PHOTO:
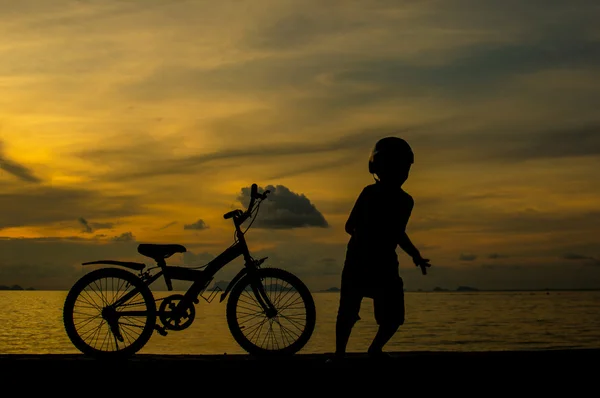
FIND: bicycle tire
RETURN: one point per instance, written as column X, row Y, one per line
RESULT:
column 297, row 292
column 80, row 302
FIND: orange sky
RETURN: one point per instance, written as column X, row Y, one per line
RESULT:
column 122, row 122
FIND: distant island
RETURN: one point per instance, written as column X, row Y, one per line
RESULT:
column 458, row 289
column 331, row 290
column 14, row 287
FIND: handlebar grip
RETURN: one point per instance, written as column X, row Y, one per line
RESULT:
column 253, row 191
column 423, row 270
column 229, row 215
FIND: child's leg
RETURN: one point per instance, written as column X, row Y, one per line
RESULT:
column 389, row 313
column 347, row 316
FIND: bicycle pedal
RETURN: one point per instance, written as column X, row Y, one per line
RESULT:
column 161, row 330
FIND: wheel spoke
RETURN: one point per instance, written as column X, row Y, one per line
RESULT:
column 293, row 322
column 89, row 313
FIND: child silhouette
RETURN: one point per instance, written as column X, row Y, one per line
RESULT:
column 377, row 225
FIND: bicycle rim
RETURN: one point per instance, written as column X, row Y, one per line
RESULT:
column 283, row 334
column 88, row 322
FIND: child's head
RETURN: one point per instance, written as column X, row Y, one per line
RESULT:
column 391, row 160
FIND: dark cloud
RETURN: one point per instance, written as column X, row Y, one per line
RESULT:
column 299, row 29
column 581, row 257
column 198, row 225
column 467, row 257
column 102, row 225
column 45, row 204
column 575, row 256
column 91, row 227
column 285, row 209
column 86, row 226
column 497, row 255
column 523, row 145
column 15, row 169
column 197, row 259
column 500, row 146
column 167, row 225
column 124, row 237
column 354, row 141
column 259, row 74
column 482, row 219
column 474, row 70
column 534, row 221
column 55, row 262
column 127, row 149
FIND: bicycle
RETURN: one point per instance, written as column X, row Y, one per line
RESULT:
column 111, row 312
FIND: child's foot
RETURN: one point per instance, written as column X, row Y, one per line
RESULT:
column 335, row 358
column 379, row 355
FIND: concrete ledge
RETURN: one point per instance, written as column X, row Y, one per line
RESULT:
column 565, row 360
column 481, row 374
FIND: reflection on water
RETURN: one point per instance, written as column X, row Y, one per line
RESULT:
column 32, row 323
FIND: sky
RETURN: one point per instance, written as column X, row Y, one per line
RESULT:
column 126, row 122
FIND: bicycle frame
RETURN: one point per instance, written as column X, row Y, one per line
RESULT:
column 201, row 278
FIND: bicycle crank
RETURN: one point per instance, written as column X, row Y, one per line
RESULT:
column 176, row 312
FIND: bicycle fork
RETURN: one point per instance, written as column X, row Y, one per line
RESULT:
column 263, row 299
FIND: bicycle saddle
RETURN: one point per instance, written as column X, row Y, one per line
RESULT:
column 159, row 251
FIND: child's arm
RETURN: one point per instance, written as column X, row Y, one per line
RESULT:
column 409, row 248
column 406, row 244
column 354, row 214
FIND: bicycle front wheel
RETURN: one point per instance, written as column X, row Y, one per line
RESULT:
column 284, row 332
column 100, row 323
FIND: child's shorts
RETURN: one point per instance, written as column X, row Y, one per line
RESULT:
column 387, row 295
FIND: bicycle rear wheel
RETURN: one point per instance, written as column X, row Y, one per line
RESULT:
column 283, row 333
column 99, row 328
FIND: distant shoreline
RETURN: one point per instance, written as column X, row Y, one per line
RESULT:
column 480, row 290
column 15, row 288
column 336, row 290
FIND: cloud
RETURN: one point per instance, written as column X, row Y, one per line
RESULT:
column 497, row 255
column 297, row 30
column 198, row 225
column 485, row 219
column 473, row 71
column 91, row 227
column 285, row 209
column 579, row 257
column 124, row 237
column 196, row 259
column 467, row 257
column 86, row 227
column 40, row 205
column 55, row 262
column 167, row 225
column 15, row 169
column 564, row 142
column 352, row 141
column 102, row 225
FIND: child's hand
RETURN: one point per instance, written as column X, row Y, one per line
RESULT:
column 423, row 263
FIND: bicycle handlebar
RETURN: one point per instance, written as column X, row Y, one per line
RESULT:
column 243, row 215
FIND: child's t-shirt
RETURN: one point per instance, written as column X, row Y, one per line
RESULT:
column 380, row 214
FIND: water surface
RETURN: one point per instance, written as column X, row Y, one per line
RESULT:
column 440, row 321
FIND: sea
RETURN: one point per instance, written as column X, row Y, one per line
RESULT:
column 31, row 323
